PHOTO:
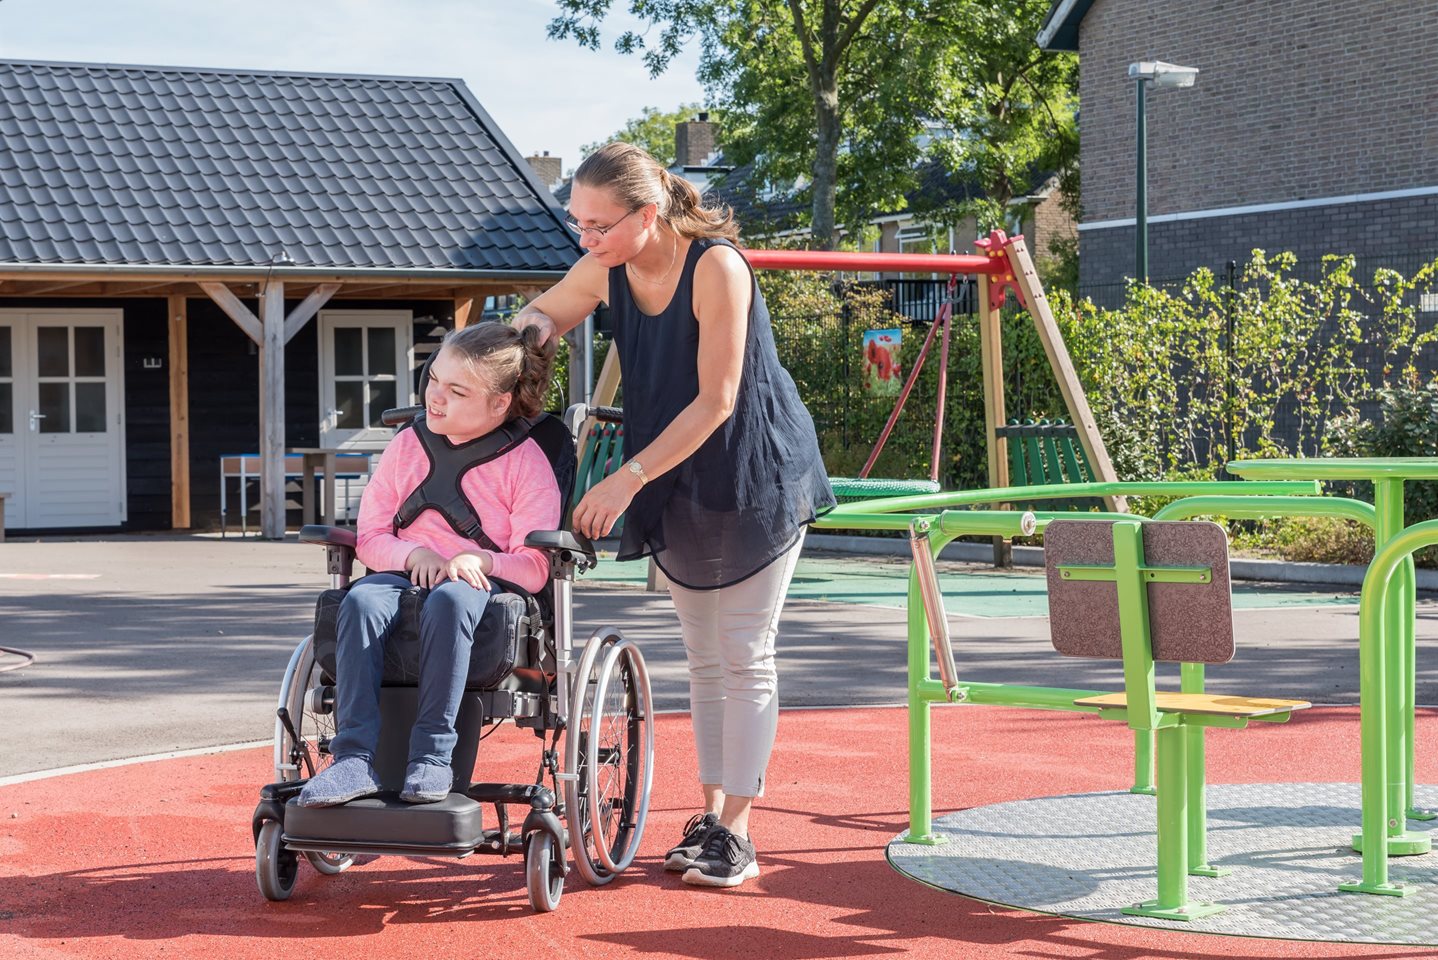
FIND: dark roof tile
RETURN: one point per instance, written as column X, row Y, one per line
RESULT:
column 107, row 164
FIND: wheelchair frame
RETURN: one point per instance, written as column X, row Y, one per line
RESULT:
column 605, row 690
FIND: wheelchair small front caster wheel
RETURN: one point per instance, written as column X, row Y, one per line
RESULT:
column 543, row 874
column 329, row 863
column 275, row 867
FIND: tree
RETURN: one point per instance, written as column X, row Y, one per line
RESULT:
column 1012, row 108
column 653, row 130
column 801, row 82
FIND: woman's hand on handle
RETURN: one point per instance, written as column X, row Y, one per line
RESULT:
column 601, row 507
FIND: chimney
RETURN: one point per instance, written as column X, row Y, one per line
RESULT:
column 548, row 169
column 693, row 141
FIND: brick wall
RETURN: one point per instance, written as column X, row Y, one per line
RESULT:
column 1398, row 233
column 1295, row 99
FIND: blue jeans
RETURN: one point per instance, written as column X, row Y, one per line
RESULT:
column 367, row 617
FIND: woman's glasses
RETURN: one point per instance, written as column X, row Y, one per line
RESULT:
column 574, row 225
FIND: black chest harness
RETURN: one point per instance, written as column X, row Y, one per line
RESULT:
column 440, row 490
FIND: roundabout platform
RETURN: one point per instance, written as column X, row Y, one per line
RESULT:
column 1089, row 855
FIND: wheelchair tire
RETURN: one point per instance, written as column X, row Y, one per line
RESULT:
column 329, row 864
column 275, row 867
column 315, row 725
column 611, row 749
column 543, row 875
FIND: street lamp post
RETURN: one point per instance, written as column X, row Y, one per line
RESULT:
column 1162, row 75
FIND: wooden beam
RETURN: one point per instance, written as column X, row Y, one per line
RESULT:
column 234, row 309
column 179, row 414
column 42, row 288
column 991, row 353
column 272, row 412
column 1027, row 280
column 308, row 307
column 464, row 303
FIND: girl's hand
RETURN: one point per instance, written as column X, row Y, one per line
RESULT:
column 534, row 318
column 426, row 568
column 471, row 568
column 606, row 500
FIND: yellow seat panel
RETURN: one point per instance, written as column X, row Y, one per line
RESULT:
column 1209, row 704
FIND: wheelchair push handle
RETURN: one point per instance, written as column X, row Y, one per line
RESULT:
column 399, row 416
column 607, row 414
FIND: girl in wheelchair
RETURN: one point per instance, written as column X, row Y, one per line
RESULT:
column 483, row 377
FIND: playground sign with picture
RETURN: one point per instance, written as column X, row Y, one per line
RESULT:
column 883, row 375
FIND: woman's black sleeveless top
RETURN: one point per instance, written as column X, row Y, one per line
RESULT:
column 742, row 498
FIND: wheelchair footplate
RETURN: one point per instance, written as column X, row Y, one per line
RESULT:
column 385, row 824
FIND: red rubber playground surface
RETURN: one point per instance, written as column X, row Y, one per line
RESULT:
column 155, row 859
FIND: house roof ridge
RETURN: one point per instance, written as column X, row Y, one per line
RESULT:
column 227, row 71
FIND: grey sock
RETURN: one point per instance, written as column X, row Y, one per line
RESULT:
column 426, row 783
column 348, row 778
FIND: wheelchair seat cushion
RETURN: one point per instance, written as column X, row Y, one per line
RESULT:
column 508, row 636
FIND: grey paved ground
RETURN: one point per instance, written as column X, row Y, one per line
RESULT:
column 169, row 644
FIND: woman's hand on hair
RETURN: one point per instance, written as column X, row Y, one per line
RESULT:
column 471, row 568
column 426, row 568
column 602, row 505
column 535, row 318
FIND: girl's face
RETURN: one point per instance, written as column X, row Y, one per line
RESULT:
column 625, row 229
column 457, row 404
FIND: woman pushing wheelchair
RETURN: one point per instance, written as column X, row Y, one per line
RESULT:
column 724, row 470
column 452, row 536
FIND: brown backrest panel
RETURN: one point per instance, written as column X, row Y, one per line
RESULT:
column 1188, row 622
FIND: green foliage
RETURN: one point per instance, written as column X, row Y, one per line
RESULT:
column 653, row 130
column 832, row 96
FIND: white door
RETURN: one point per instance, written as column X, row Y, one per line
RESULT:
column 366, row 364
column 62, row 430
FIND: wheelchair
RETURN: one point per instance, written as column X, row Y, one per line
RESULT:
column 593, row 715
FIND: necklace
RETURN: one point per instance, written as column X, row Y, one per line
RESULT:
column 673, row 255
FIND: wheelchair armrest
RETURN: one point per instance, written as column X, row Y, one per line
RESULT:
column 561, row 540
column 329, row 536
column 339, row 550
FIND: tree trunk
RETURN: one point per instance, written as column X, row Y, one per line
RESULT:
column 826, row 162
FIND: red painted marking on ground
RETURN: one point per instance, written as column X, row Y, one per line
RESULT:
column 156, row 859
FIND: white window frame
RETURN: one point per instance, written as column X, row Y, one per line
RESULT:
column 402, row 322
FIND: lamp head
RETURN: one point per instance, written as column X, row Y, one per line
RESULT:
column 1162, row 74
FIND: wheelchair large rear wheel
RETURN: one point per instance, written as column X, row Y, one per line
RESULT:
column 610, row 749
column 309, row 702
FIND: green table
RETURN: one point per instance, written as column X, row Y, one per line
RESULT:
column 1386, row 654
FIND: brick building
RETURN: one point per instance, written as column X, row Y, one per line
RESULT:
column 1310, row 128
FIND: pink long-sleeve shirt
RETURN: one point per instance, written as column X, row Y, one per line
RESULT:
column 514, row 495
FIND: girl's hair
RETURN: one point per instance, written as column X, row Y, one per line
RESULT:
column 507, row 360
column 635, row 179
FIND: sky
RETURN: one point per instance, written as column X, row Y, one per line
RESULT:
column 544, row 94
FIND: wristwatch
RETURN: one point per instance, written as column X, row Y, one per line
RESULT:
column 638, row 471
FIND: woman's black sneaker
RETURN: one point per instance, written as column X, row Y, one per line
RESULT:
column 696, row 831
column 727, row 860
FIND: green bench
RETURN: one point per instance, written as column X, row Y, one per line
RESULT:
column 1047, row 452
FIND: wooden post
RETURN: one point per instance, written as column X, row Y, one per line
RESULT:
column 581, row 358
column 272, row 411
column 991, row 354
column 464, row 302
column 179, row 414
column 1027, row 280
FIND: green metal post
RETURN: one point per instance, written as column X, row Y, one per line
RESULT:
column 1410, row 698
column 1143, row 763
column 1191, row 681
column 921, row 810
column 1173, row 902
column 1377, row 710
column 1395, row 702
